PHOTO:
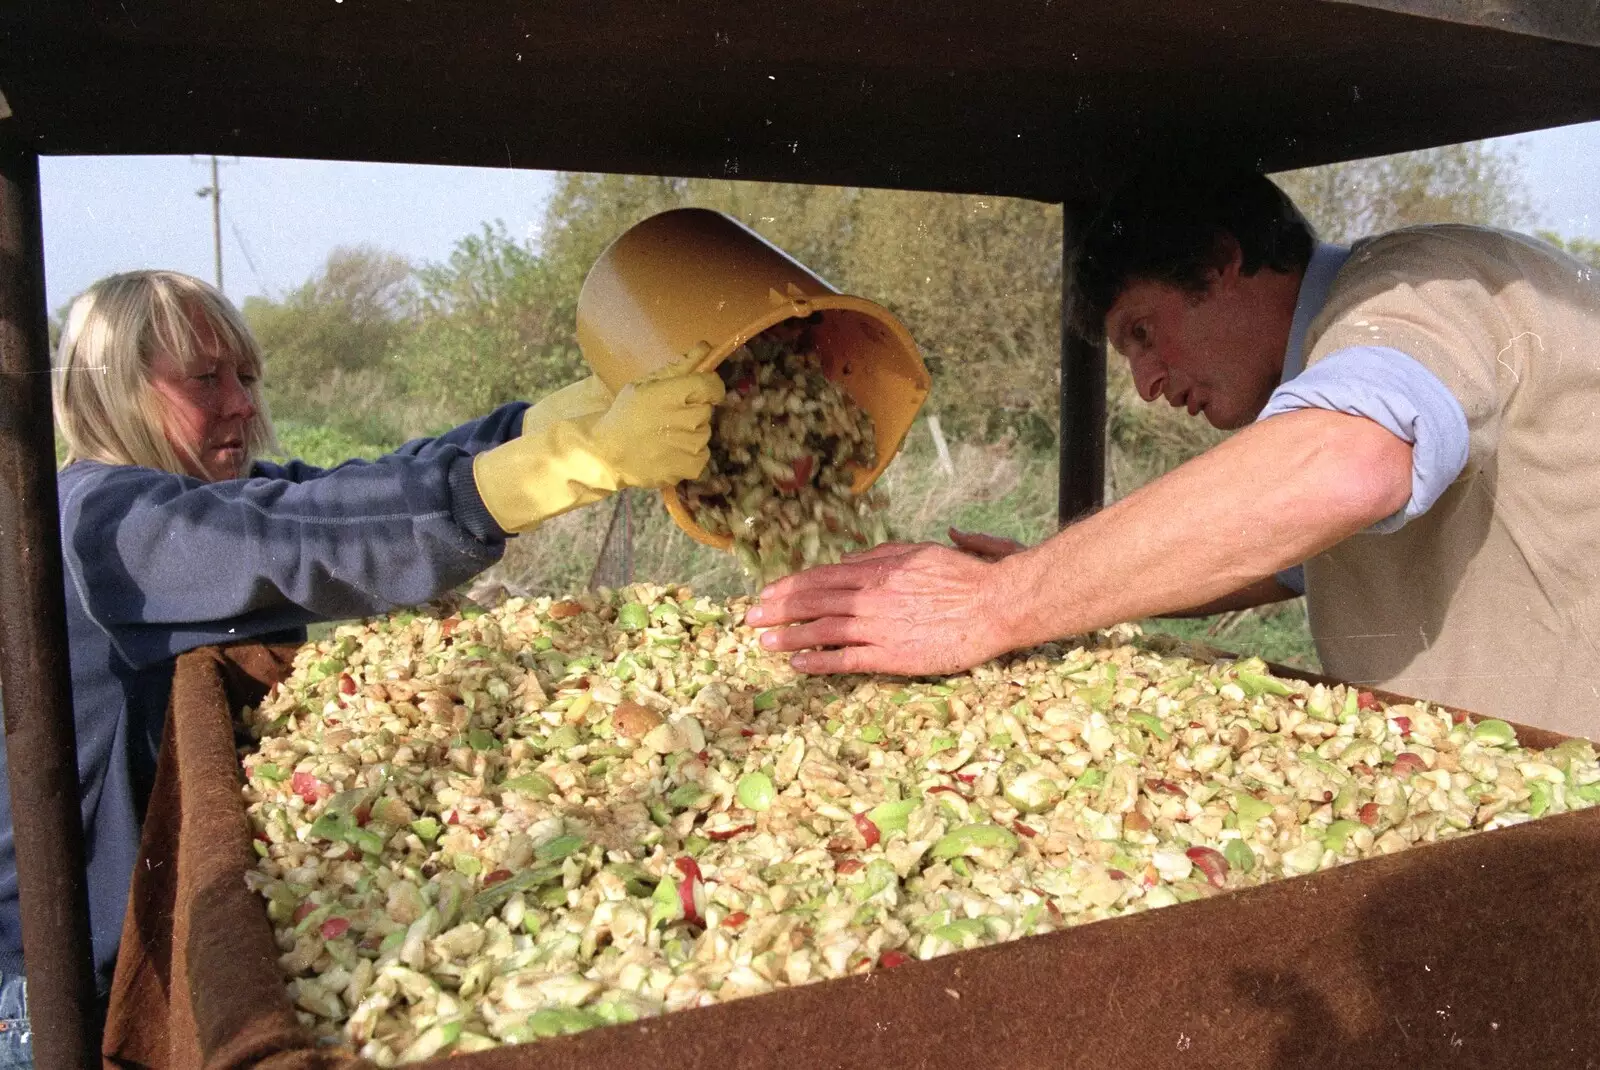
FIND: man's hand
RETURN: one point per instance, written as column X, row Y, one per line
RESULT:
column 914, row 610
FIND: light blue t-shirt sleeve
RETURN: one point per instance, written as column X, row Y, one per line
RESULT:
column 1400, row 395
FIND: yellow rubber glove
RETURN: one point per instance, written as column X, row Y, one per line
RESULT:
column 654, row 434
column 586, row 397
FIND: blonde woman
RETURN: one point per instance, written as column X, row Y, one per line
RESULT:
column 176, row 534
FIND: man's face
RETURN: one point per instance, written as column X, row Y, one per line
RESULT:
column 1217, row 354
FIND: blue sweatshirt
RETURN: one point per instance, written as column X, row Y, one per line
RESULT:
column 158, row 564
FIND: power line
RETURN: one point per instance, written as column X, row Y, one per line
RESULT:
column 244, row 248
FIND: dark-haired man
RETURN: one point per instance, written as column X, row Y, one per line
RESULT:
column 1420, row 427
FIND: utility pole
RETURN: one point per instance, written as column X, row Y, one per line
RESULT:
column 214, row 191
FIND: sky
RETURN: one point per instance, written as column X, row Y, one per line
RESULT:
column 281, row 218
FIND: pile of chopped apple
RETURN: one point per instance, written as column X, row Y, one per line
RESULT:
column 479, row 828
column 786, row 445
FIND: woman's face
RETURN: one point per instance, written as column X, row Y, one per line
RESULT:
column 207, row 411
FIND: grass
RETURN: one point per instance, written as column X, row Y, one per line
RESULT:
column 325, row 446
column 1278, row 633
column 352, row 414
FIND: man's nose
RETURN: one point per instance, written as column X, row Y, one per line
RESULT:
column 1148, row 377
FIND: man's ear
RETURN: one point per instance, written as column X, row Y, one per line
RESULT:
column 1227, row 261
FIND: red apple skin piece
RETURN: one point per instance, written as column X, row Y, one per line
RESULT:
column 334, row 928
column 736, row 919
column 1404, row 724
column 891, row 959
column 686, row 899
column 1210, row 862
column 802, row 475
column 347, row 684
column 1370, row 814
column 848, row 866
column 1407, row 764
column 868, row 830
column 309, row 788
column 687, row 888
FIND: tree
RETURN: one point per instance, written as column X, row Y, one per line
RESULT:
column 1585, row 249
column 494, row 323
column 977, row 281
column 1474, row 182
column 347, row 319
column 811, row 223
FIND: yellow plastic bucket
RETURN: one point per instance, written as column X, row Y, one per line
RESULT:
column 695, row 283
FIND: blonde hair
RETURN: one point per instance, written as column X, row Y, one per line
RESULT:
column 105, row 407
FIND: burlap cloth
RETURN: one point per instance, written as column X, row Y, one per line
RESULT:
column 1480, row 953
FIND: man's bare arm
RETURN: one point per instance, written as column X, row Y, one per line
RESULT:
column 1272, row 496
column 1262, row 592
column 1276, row 494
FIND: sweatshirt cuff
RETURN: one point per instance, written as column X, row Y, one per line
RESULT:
column 1294, row 578
column 466, row 504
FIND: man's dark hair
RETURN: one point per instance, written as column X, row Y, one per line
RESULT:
column 1165, row 225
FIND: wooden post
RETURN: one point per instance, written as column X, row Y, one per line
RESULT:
column 41, row 751
column 940, row 446
column 1083, row 397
